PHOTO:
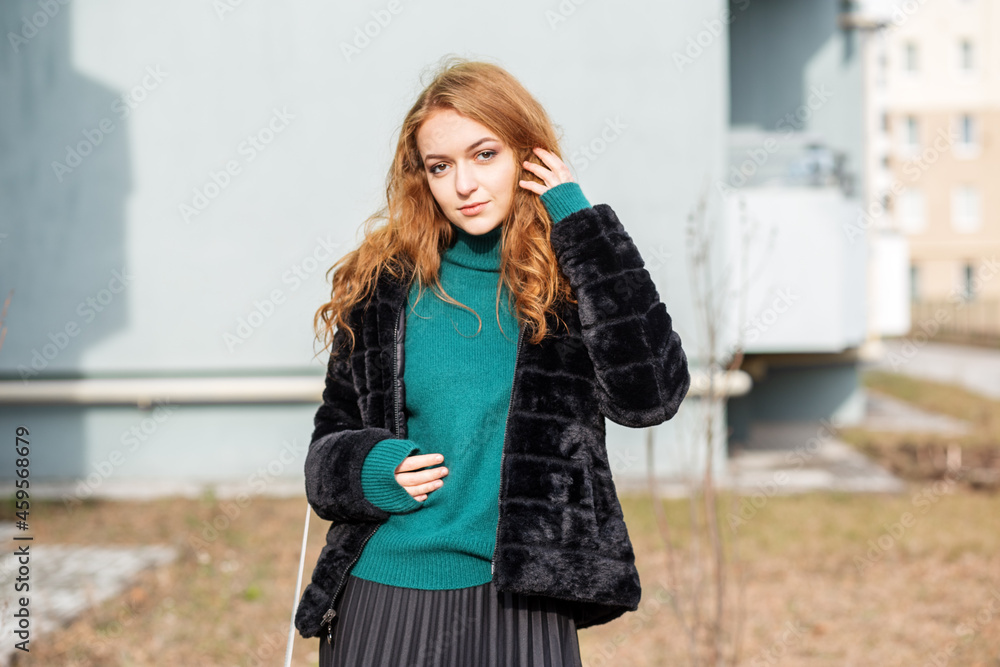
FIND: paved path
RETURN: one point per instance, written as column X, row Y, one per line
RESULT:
column 65, row 580
column 886, row 413
column 975, row 368
column 789, row 457
column 795, row 457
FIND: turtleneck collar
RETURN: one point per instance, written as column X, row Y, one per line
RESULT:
column 474, row 251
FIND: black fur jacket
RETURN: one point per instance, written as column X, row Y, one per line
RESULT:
column 561, row 531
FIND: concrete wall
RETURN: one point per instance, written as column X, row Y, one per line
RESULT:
column 120, row 224
column 804, row 296
column 796, row 80
column 793, row 68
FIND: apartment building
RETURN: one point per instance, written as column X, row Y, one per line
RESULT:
column 938, row 72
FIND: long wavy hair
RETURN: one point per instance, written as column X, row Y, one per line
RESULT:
column 416, row 230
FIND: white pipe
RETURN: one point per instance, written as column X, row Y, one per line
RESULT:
column 729, row 383
column 145, row 392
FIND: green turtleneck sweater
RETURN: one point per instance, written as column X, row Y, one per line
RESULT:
column 458, row 385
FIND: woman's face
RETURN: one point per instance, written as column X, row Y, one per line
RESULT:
column 471, row 173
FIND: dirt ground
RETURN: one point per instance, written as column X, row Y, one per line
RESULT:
column 830, row 580
column 827, row 578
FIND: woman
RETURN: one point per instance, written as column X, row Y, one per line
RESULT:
column 460, row 457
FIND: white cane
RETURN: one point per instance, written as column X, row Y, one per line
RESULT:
column 298, row 584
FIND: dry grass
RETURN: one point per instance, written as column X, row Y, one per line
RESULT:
column 832, row 579
column 808, row 562
column 799, row 552
column 922, row 456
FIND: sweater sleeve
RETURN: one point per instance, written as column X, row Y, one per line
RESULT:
column 378, row 481
column 564, row 200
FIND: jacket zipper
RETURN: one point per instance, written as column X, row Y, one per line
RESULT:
column 503, row 449
column 331, row 613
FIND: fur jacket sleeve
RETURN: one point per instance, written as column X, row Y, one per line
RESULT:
column 640, row 367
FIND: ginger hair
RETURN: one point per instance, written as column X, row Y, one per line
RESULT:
column 415, row 230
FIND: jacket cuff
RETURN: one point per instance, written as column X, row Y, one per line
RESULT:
column 333, row 475
column 564, row 200
column 378, row 481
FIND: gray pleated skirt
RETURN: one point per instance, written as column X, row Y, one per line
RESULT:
column 478, row 626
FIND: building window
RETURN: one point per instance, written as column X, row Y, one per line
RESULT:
column 911, row 211
column 911, row 135
column 965, row 211
column 966, row 55
column 968, row 282
column 967, row 129
column 967, row 146
column 914, row 282
column 911, row 62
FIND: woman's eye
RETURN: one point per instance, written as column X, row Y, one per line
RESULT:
column 489, row 155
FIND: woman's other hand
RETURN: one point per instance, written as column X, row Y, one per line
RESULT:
column 420, row 483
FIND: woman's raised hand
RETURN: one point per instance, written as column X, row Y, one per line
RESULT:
column 556, row 174
column 420, row 483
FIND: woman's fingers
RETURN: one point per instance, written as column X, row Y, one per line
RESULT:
column 425, row 479
column 421, row 476
column 420, row 491
column 537, row 188
column 547, row 177
column 418, row 462
column 538, row 170
column 561, row 173
column 424, row 489
column 556, row 174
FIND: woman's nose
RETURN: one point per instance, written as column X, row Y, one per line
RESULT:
column 465, row 182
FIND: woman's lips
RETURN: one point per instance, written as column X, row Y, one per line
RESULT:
column 474, row 209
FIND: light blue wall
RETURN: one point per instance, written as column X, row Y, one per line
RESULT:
column 785, row 53
column 105, row 445
column 207, row 82
column 794, row 70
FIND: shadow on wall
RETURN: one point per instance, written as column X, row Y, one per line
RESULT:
column 752, row 50
column 790, row 401
column 64, row 179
